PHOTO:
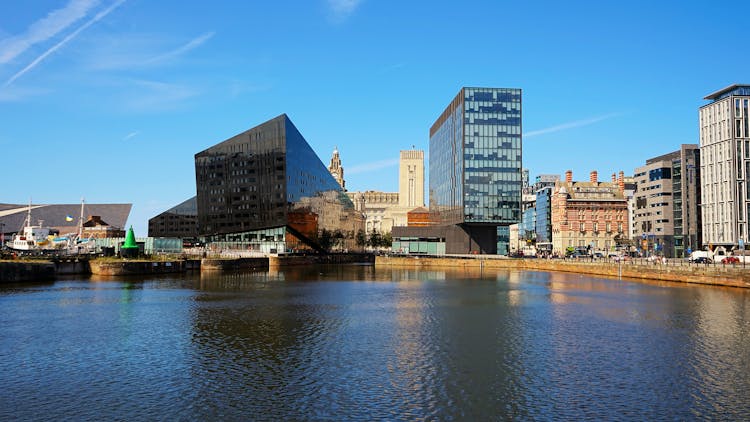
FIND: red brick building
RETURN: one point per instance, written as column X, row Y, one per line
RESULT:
column 418, row 217
column 591, row 215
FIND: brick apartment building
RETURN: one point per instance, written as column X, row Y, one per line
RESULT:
column 591, row 215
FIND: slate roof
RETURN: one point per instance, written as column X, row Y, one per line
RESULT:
column 53, row 215
column 590, row 191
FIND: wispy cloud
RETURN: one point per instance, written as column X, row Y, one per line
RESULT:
column 64, row 41
column 195, row 42
column 375, row 165
column 392, row 67
column 14, row 94
column 342, row 9
column 45, row 28
column 139, row 51
column 131, row 135
column 570, row 125
column 157, row 96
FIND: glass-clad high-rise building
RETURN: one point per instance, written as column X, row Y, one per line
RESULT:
column 475, row 162
column 544, row 219
column 267, row 187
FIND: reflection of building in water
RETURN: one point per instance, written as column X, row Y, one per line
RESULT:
column 267, row 188
column 233, row 280
column 720, row 329
column 385, row 210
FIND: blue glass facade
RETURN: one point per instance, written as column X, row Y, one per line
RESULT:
column 475, row 159
column 528, row 224
column 544, row 215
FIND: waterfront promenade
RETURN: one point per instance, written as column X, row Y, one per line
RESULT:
column 674, row 270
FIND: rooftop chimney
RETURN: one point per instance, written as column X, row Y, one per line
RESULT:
column 621, row 181
column 614, row 178
column 569, row 176
column 593, row 177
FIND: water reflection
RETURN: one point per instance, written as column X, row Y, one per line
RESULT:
column 355, row 342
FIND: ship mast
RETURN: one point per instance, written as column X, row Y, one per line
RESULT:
column 80, row 221
column 27, row 223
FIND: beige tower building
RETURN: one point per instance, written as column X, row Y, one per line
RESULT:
column 384, row 210
column 336, row 169
column 411, row 179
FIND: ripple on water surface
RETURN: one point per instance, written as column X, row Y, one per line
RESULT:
column 356, row 343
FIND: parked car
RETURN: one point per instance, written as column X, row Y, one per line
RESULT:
column 598, row 255
column 702, row 260
column 730, row 260
column 699, row 254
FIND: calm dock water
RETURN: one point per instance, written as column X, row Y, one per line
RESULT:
column 351, row 342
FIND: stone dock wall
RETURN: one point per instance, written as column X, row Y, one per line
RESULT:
column 293, row 260
column 21, row 271
column 30, row 271
column 233, row 264
column 734, row 276
column 118, row 268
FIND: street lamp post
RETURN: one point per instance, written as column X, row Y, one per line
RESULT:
column 742, row 248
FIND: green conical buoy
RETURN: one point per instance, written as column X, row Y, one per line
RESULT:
column 129, row 248
column 130, row 240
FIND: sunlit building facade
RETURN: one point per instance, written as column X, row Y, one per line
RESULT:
column 666, row 218
column 724, row 125
column 588, row 216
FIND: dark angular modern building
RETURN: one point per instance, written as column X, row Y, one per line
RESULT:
column 266, row 187
column 179, row 221
column 475, row 169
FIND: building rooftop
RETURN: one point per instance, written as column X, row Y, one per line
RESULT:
column 736, row 89
column 590, row 191
column 61, row 216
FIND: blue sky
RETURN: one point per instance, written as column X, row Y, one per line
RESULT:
column 110, row 99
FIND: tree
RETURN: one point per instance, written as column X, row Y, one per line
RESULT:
column 387, row 240
column 375, row 239
column 338, row 238
column 361, row 238
column 325, row 239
